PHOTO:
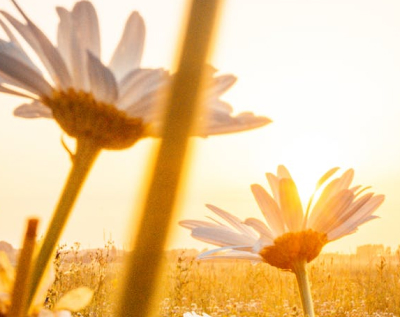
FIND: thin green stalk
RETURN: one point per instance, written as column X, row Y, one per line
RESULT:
column 143, row 265
column 300, row 271
column 20, row 292
column 86, row 154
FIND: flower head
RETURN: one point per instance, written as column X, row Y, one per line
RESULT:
column 289, row 235
column 114, row 105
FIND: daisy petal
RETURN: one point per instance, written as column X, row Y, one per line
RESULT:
column 15, row 52
column 367, row 209
column 323, row 198
column 350, row 211
column 137, row 85
column 326, row 176
column 220, row 85
column 232, row 220
column 220, row 223
column 363, row 215
column 348, row 229
column 283, row 172
column 221, row 107
column 217, row 124
column 150, row 109
column 64, row 36
column 262, row 243
column 10, row 35
column 83, row 36
column 191, row 224
column 222, row 237
column 337, row 185
column 357, row 193
column 86, row 26
column 332, row 211
column 270, row 209
column 102, row 81
column 26, row 77
column 47, row 52
column 234, row 256
column 365, row 220
column 331, row 190
column 229, row 253
column 346, row 179
column 355, row 188
column 273, row 182
column 128, row 54
column 21, row 52
column 260, row 227
column 13, row 92
column 25, row 32
column 33, row 110
column 290, row 204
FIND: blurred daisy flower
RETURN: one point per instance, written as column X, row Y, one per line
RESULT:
column 72, row 301
column 113, row 105
column 289, row 235
column 289, row 238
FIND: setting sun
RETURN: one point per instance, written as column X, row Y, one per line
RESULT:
column 309, row 156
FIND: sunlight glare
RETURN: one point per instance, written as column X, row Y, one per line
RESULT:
column 308, row 157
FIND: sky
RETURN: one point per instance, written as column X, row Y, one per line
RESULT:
column 326, row 72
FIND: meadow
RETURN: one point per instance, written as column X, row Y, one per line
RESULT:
column 342, row 285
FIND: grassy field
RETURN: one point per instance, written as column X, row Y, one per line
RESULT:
column 342, row 285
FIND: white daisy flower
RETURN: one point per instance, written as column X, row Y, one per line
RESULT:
column 114, row 104
column 288, row 235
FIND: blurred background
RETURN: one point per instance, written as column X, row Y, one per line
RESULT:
column 326, row 72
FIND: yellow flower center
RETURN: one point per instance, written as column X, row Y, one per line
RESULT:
column 80, row 115
column 292, row 247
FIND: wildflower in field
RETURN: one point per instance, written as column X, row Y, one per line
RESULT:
column 113, row 105
column 72, row 301
column 289, row 235
column 289, row 238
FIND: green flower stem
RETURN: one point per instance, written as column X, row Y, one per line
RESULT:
column 143, row 264
column 86, row 153
column 300, row 271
